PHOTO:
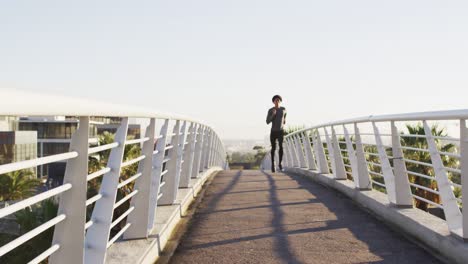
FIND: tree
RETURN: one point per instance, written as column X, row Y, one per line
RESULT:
column 18, row 185
column 28, row 219
column 260, row 155
column 240, row 157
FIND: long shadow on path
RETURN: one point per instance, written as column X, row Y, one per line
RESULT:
column 290, row 220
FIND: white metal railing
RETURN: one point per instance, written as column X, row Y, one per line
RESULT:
column 192, row 148
column 383, row 160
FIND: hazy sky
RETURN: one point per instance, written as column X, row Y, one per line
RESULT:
column 221, row 61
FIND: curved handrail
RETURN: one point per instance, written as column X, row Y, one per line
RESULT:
column 22, row 103
column 431, row 115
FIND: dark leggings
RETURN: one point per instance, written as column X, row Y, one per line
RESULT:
column 276, row 135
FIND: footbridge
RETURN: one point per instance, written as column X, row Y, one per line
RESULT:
column 375, row 189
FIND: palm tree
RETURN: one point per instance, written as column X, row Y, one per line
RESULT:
column 18, row 185
column 424, row 156
column 27, row 220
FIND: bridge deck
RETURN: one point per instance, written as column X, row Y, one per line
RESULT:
column 257, row 217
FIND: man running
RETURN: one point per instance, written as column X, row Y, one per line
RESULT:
column 277, row 116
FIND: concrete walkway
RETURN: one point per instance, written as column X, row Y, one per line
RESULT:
column 259, row 217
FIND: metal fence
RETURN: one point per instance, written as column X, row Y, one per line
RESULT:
column 169, row 158
column 415, row 159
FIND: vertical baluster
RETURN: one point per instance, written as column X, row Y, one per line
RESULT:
column 189, row 155
column 331, row 155
column 158, row 158
column 294, row 152
column 69, row 234
column 169, row 191
column 220, row 153
column 139, row 219
column 208, row 150
column 464, row 173
column 286, row 158
column 320, row 153
column 308, row 150
column 363, row 182
column 180, row 153
column 387, row 170
column 403, row 196
column 291, row 160
column 452, row 212
column 198, row 152
column 340, row 173
column 97, row 237
column 300, row 151
column 216, row 152
column 206, row 138
column 351, row 156
column 212, row 150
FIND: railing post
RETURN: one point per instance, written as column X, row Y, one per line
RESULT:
column 198, row 152
column 293, row 145
column 351, row 156
column 189, row 155
column 452, row 212
column 169, row 191
column 209, row 150
column 320, row 153
column 158, row 158
column 464, row 173
column 300, row 152
column 389, row 177
column 289, row 152
column 286, row 158
column 331, row 155
column 340, row 173
column 220, row 152
column 403, row 196
column 206, row 138
column 212, row 150
column 205, row 152
column 363, row 182
column 335, row 156
column 180, row 152
column 308, row 151
column 139, row 219
column 97, row 236
column 70, row 234
column 216, row 152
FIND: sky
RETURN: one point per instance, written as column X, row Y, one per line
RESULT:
column 222, row 61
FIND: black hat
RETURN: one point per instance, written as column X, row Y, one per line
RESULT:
column 277, row 97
